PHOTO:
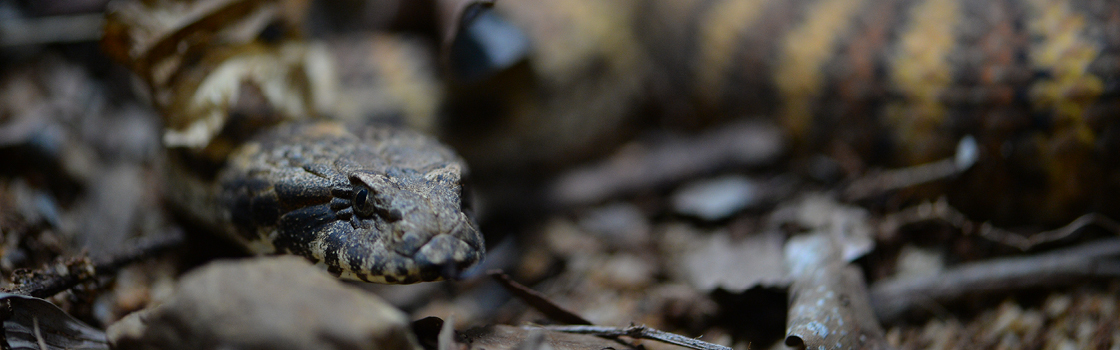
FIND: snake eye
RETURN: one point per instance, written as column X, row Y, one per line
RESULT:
column 365, row 205
column 363, row 202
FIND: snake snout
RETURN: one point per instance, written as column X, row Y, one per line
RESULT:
column 416, row 256
column 446, row 257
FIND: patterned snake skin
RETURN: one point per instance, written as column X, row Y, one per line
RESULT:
column 377, row 204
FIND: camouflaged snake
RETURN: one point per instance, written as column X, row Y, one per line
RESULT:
column 372, row 203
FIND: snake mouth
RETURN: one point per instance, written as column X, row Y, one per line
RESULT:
column 447, row 255
column 419, row 245
column 370, row 253
column 443, row 257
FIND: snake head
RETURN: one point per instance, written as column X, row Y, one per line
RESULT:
column 418, row 215
column 379, row 205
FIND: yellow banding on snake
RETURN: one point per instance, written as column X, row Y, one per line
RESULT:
column 725, row 23
column 799, row 75
column 922, row 72
column 1064, row 52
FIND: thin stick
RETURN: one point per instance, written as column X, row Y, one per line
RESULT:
column 54, row 283
column 666, row 162
column 942, row 211
column 894, row 298
column 538, row 301
column 639, row 332
column 896, row 179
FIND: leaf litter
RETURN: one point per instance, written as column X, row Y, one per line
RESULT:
column 640, row 240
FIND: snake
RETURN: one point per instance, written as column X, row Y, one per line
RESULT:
column 256, row 155
column 881, row 82
column 373, row 203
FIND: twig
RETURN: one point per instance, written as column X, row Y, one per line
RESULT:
column 993, row 233
column 53, row 283
column 638, row 332
column 829, row 305
column 538, row 301
column 942, row 211
column 579, row 325
column 895, row 179
column 142, row 250
column 895, row 298
column 659, row 164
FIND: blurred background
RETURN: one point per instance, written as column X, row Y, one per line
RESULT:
column 638, row 161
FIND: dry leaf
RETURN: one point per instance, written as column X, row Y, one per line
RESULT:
column 36, row 324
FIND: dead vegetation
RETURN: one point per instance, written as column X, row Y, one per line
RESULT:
column 604, row 228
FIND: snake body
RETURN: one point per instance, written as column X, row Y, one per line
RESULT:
column 894, row 82
column 901, row 82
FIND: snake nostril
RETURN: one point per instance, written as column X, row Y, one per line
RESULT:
column 409, row 245
column 392, row 215
column 445, row 251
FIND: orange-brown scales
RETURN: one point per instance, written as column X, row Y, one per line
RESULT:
column 1036, row 82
